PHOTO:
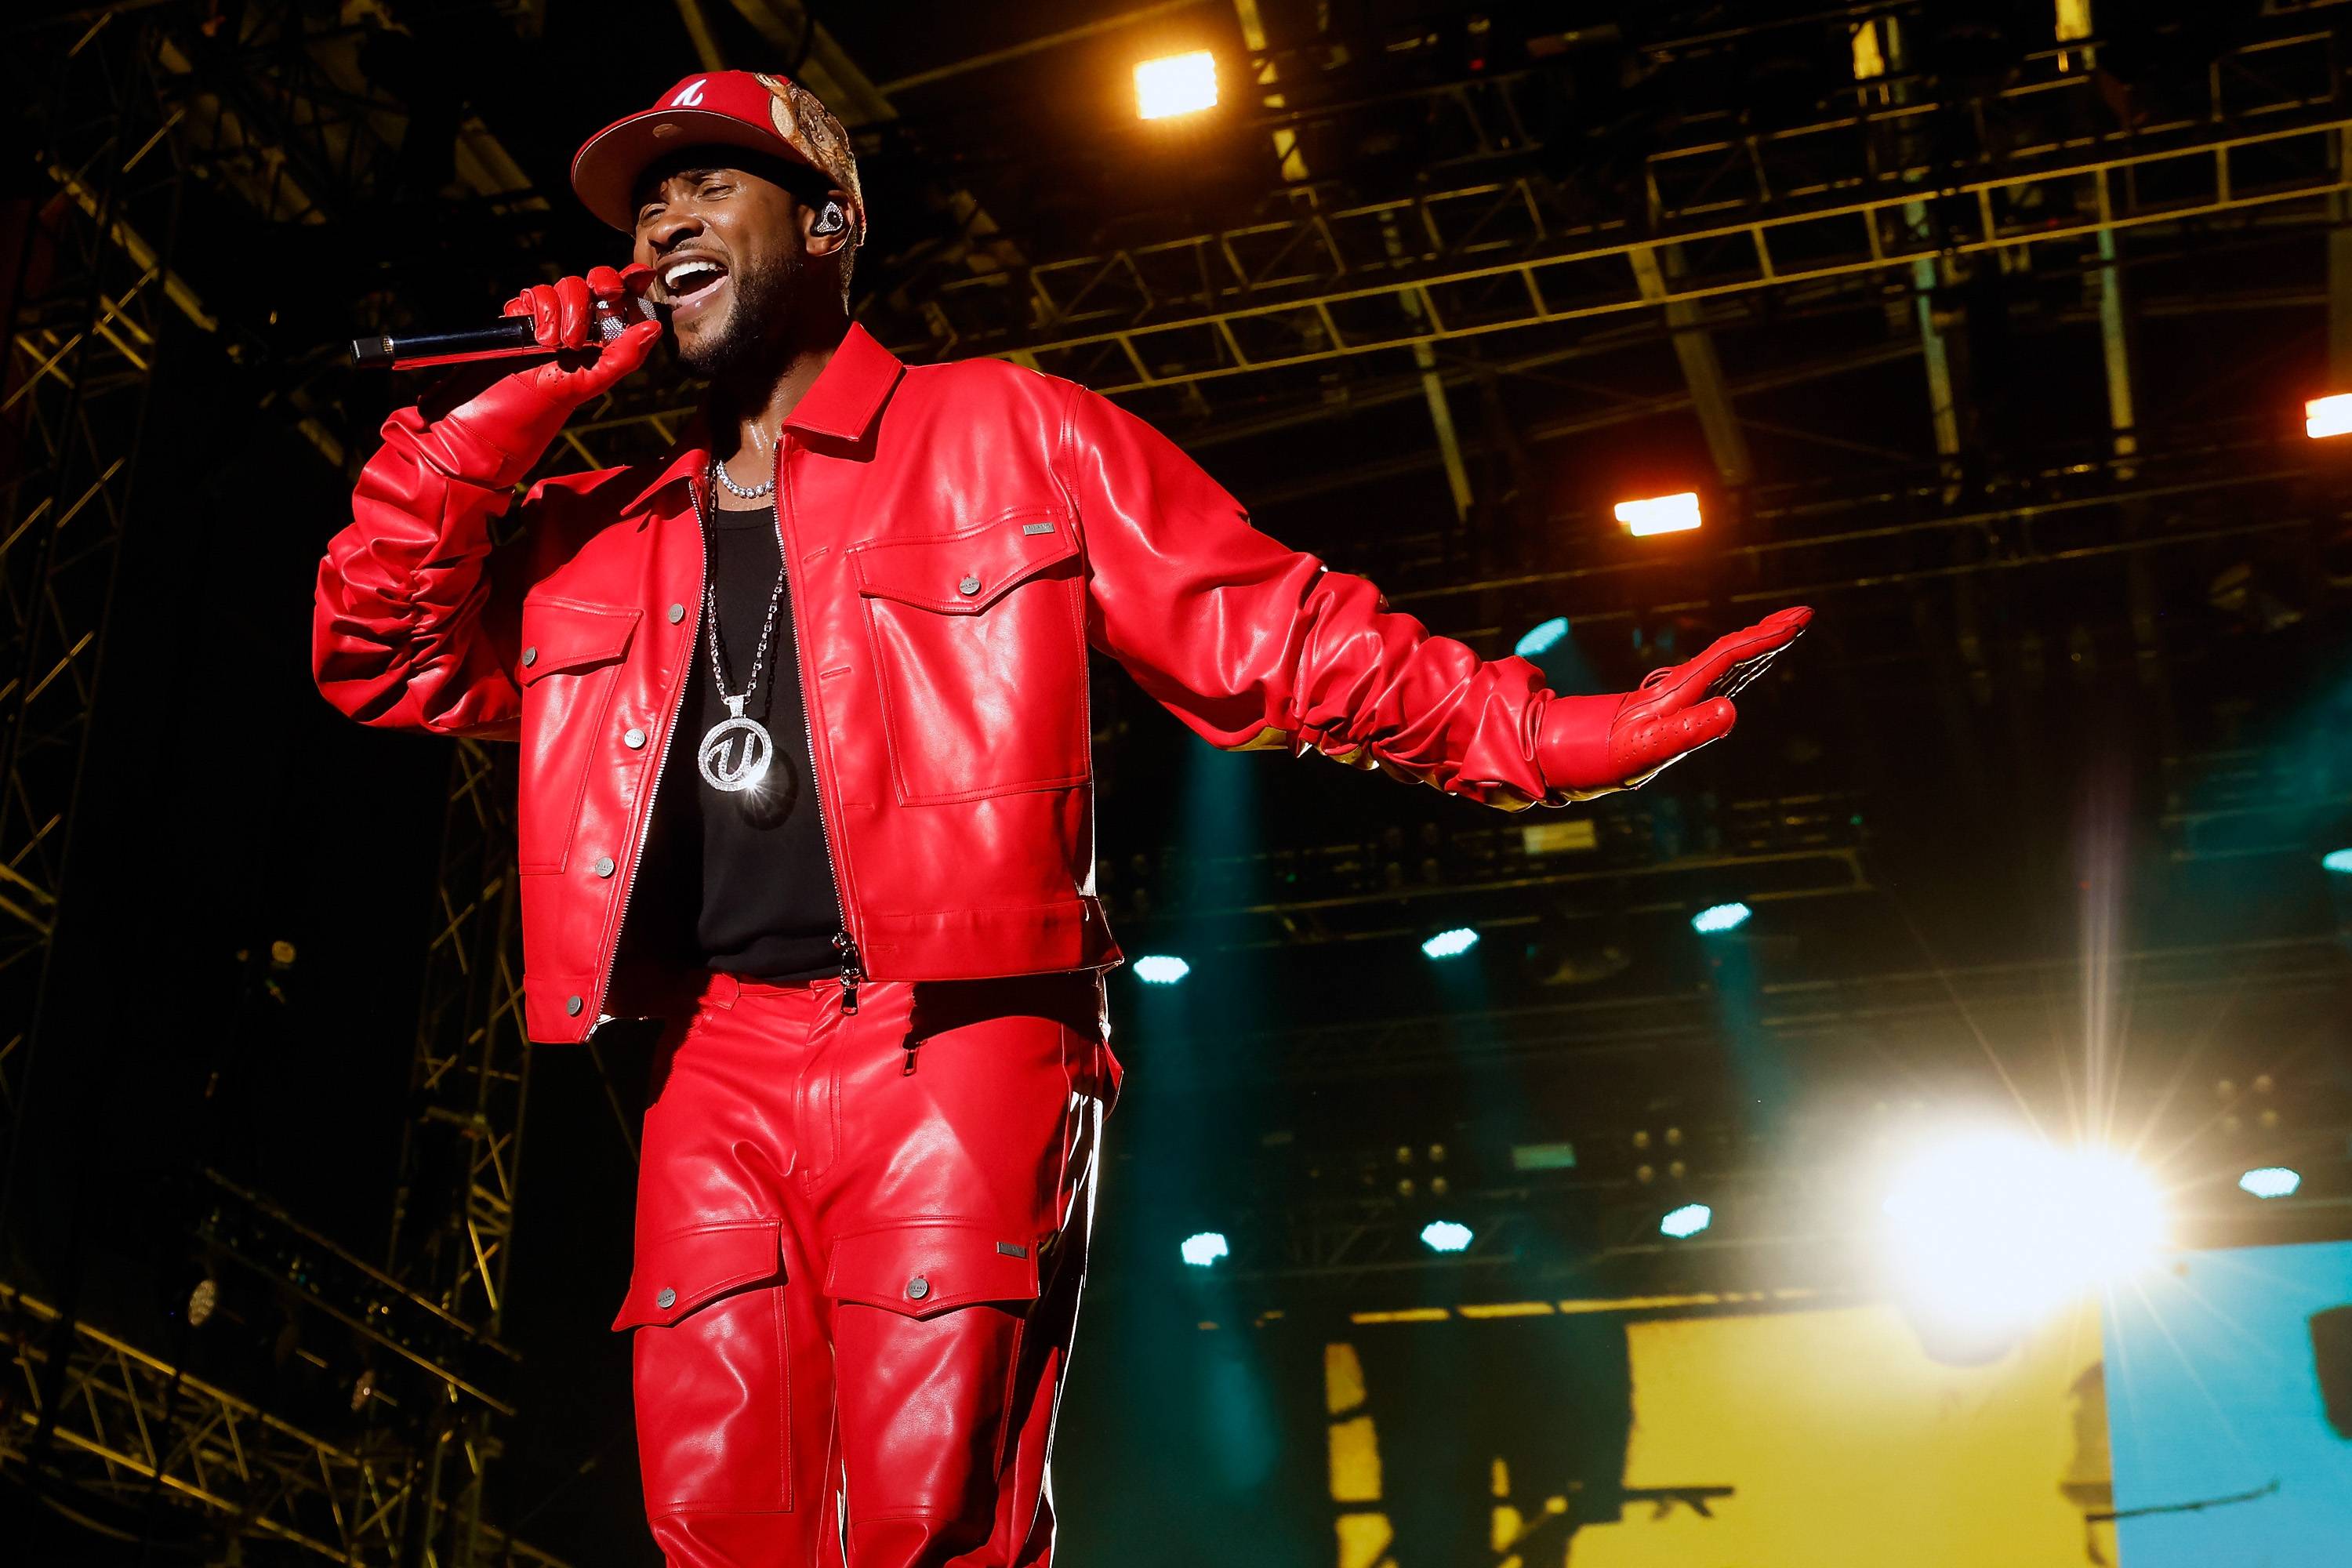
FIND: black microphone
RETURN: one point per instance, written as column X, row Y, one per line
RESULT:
column 511, row 338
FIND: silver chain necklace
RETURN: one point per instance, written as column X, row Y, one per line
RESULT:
column 757, row 491
column 725, row 764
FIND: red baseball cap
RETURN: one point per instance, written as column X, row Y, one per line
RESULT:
column 751, row 109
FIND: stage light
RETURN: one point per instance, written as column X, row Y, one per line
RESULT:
column 2270, row 1182
column 1660, row 514
column 202, row 1300
column 1450, row 943
column 1176, row 84
column 2338, row 861
column 1717, row 918
column 1445, row 1236
column 1542, row 637
column 1204, row 1248
column 1990, row 1228
column 1687, row 1221
column 1161, row 968
column 2326, row 417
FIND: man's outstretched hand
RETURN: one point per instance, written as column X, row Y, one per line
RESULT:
column 1590, row 746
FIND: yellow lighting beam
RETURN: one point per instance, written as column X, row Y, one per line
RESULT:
column 1176, row 84
column 2326, row 417
column 1660, row 514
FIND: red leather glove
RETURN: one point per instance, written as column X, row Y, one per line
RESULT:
column 1591, row 746
column 520, row 414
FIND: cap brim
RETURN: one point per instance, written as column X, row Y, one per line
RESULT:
column 607, row 165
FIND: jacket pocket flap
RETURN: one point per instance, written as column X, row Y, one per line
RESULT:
column 964, row 572
column 560, row 636
column 693, row 1267
column 930, row 1266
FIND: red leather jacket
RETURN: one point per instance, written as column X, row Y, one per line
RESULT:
column 960, row 534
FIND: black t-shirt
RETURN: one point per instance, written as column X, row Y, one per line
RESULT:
column 741, row 880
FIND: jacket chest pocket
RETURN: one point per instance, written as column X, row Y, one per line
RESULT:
column 980, row 651
column 572, row 658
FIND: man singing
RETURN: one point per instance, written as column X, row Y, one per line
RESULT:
column 805, row 773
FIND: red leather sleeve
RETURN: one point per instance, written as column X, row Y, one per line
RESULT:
column 1252, row 644
column 414, row 622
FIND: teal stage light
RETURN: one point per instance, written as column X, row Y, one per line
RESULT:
column 1718, row 917
column 1161, row 968
column 1542, row 637
column 1204, row 1248
column 2338, row 861
column 1450, row 943
column 1687, row 1221
column 2270, row 1182
column 1445, row 1236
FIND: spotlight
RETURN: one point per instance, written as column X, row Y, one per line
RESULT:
column 2338, row 861
column 1161, row 968
column 1660, row 514
column 206, row 1297
column 1204, row 1248
column 2326, row 417
column 1687, row 1221
column 1542, row 637
column 1717, row 918
column 1450, row 943
column 1445, row 1236
column 1988, row 1229
column 2270, row 1182
column 1177, row 84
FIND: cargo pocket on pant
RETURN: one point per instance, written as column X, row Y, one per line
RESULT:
column 709, row 1369
column 926, row 1343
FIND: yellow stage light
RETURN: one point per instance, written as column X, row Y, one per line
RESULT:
column 2326, row 417
column 1660, row 514
column 1178, row 84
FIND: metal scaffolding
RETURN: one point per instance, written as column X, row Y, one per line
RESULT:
column 91, row 281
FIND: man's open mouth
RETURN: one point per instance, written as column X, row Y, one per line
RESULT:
column 690, row 281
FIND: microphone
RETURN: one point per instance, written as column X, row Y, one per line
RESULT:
column 511, row 338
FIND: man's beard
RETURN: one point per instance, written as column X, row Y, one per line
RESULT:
column 748, row 342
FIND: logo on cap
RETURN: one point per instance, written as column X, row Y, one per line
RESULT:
column 690, row 94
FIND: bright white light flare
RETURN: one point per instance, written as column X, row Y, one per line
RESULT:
column 1720, row 917
column 1450, row 943
column 1204, row 1248
column 1993, row 1228
column 1686, row 1221
column 1541, row 637
column 1660, row 514
column 1177, row 84
column 1161, row 968
column 2326, row 417
column 1445, row 1236
column 2270, row 1182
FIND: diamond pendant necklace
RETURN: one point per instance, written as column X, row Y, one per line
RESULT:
column 726, row 764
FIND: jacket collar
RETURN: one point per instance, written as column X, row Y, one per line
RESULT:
column 842, row 407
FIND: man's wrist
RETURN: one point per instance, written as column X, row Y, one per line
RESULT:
column 1573, row 743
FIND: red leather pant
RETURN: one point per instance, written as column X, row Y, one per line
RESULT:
column 858, row 1266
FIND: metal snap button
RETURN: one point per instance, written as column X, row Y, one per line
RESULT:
column 635, row 740
column 677, row 614
column 968, row 586
column 604, row 865
column 529, row 656
column 667, row 1299
column 917, row 1287
column 572, row 1006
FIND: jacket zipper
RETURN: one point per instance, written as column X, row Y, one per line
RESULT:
column 661, row 765
column 845, row 941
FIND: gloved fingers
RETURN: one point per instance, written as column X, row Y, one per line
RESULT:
column 575, row 314
column 1650, row 744
column 617, row 359
column 1729, row 663
column 538, row 302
